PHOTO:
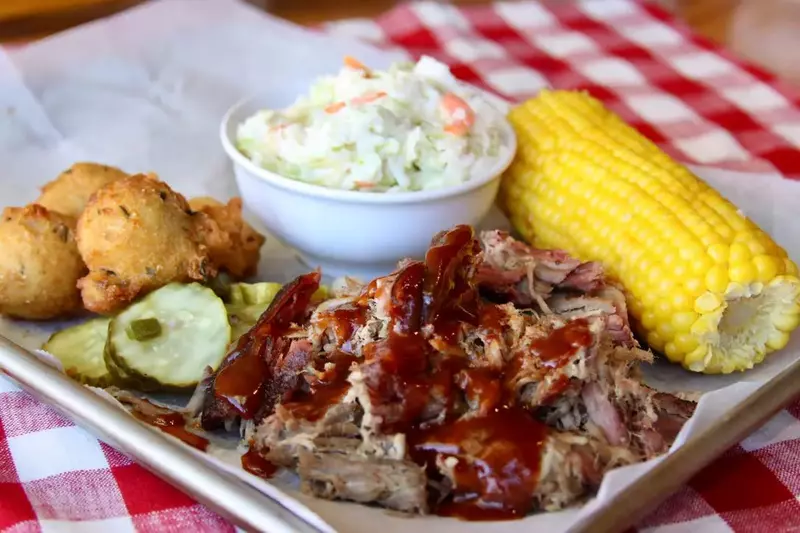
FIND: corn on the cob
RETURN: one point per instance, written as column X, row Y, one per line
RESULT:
column 705, row 285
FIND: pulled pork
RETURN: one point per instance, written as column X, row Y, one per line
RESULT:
column 490, row 380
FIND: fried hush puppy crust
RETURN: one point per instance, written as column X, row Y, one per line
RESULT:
column 69, row 193
column 39, row 264
column 136, row 235
column 234, row 246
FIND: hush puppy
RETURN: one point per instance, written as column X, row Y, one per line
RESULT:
column 71, row 190
column 136, row 235
column 39, row 264
column 234, row 246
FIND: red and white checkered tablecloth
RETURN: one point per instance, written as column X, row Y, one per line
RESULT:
column 697, row 101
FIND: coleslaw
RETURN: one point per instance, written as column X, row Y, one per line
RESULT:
column 412, row 127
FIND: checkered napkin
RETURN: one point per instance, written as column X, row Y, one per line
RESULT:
column 697, row 102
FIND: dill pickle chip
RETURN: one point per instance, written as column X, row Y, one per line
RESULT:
column 80, row 350
column 193, row 333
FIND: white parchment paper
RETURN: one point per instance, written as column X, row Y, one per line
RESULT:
column 146, row 90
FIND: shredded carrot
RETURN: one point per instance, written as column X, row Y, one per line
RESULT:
column 364, row 184
column 458, row 128
column 368, row 97
column 352, row 62
column 334, row 107
column 453, row 106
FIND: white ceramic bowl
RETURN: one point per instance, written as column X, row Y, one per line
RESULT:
column 351, row 232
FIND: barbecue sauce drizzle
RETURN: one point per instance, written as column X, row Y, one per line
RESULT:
column 325, row 390
column 170, row 422
column 256, row 464
column 558, row 348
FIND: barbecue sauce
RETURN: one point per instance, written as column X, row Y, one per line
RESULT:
column 482, row 388
column 557, row 386
column 447, row 263
column 496, row 460
column 241, row 383
column 325, row 391
column 403, row 370
column 345, row 321
column 562, row 344
column 248, row 367
column 313, row 406
column 172, row 423
column 254, row 462
column 396, row 370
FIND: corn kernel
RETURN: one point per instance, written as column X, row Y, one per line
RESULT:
column 755, row 246
column 673, row 353
column 682, row 322
column 670, row 260
column 645, row 264
column 655, row 274
column 700, row 263
column 693, row 285
column 737, row 222
column 743, row 273
column 719, row 253
column 777, row 340
column 650, row 299
column 725, row 233
column 707, row 303
column 680, row 301
column 786, row 322
column 717, row 279
column 703, row 325
column 696, row 356
column 665, row 331
column 739, row 252
column 766, row 266
column 663, row 309
column 711, row 238
column 665, row 286
column 654, row 340
column 745, row 234
column 649, row 319
column 690, row 253
column 685, row 342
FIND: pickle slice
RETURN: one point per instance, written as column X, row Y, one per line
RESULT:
column 260, row 294
column 122, row 378
column 192, row 333
column 80, row 350
column 248, row 301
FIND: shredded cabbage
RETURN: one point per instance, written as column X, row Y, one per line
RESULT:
column 378, row 131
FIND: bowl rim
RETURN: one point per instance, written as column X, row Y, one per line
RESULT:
column 359, row 197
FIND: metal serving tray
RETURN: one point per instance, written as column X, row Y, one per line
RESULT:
column 254, row 511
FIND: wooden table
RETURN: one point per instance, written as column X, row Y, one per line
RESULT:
column 744, row 26
column 24, row 19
